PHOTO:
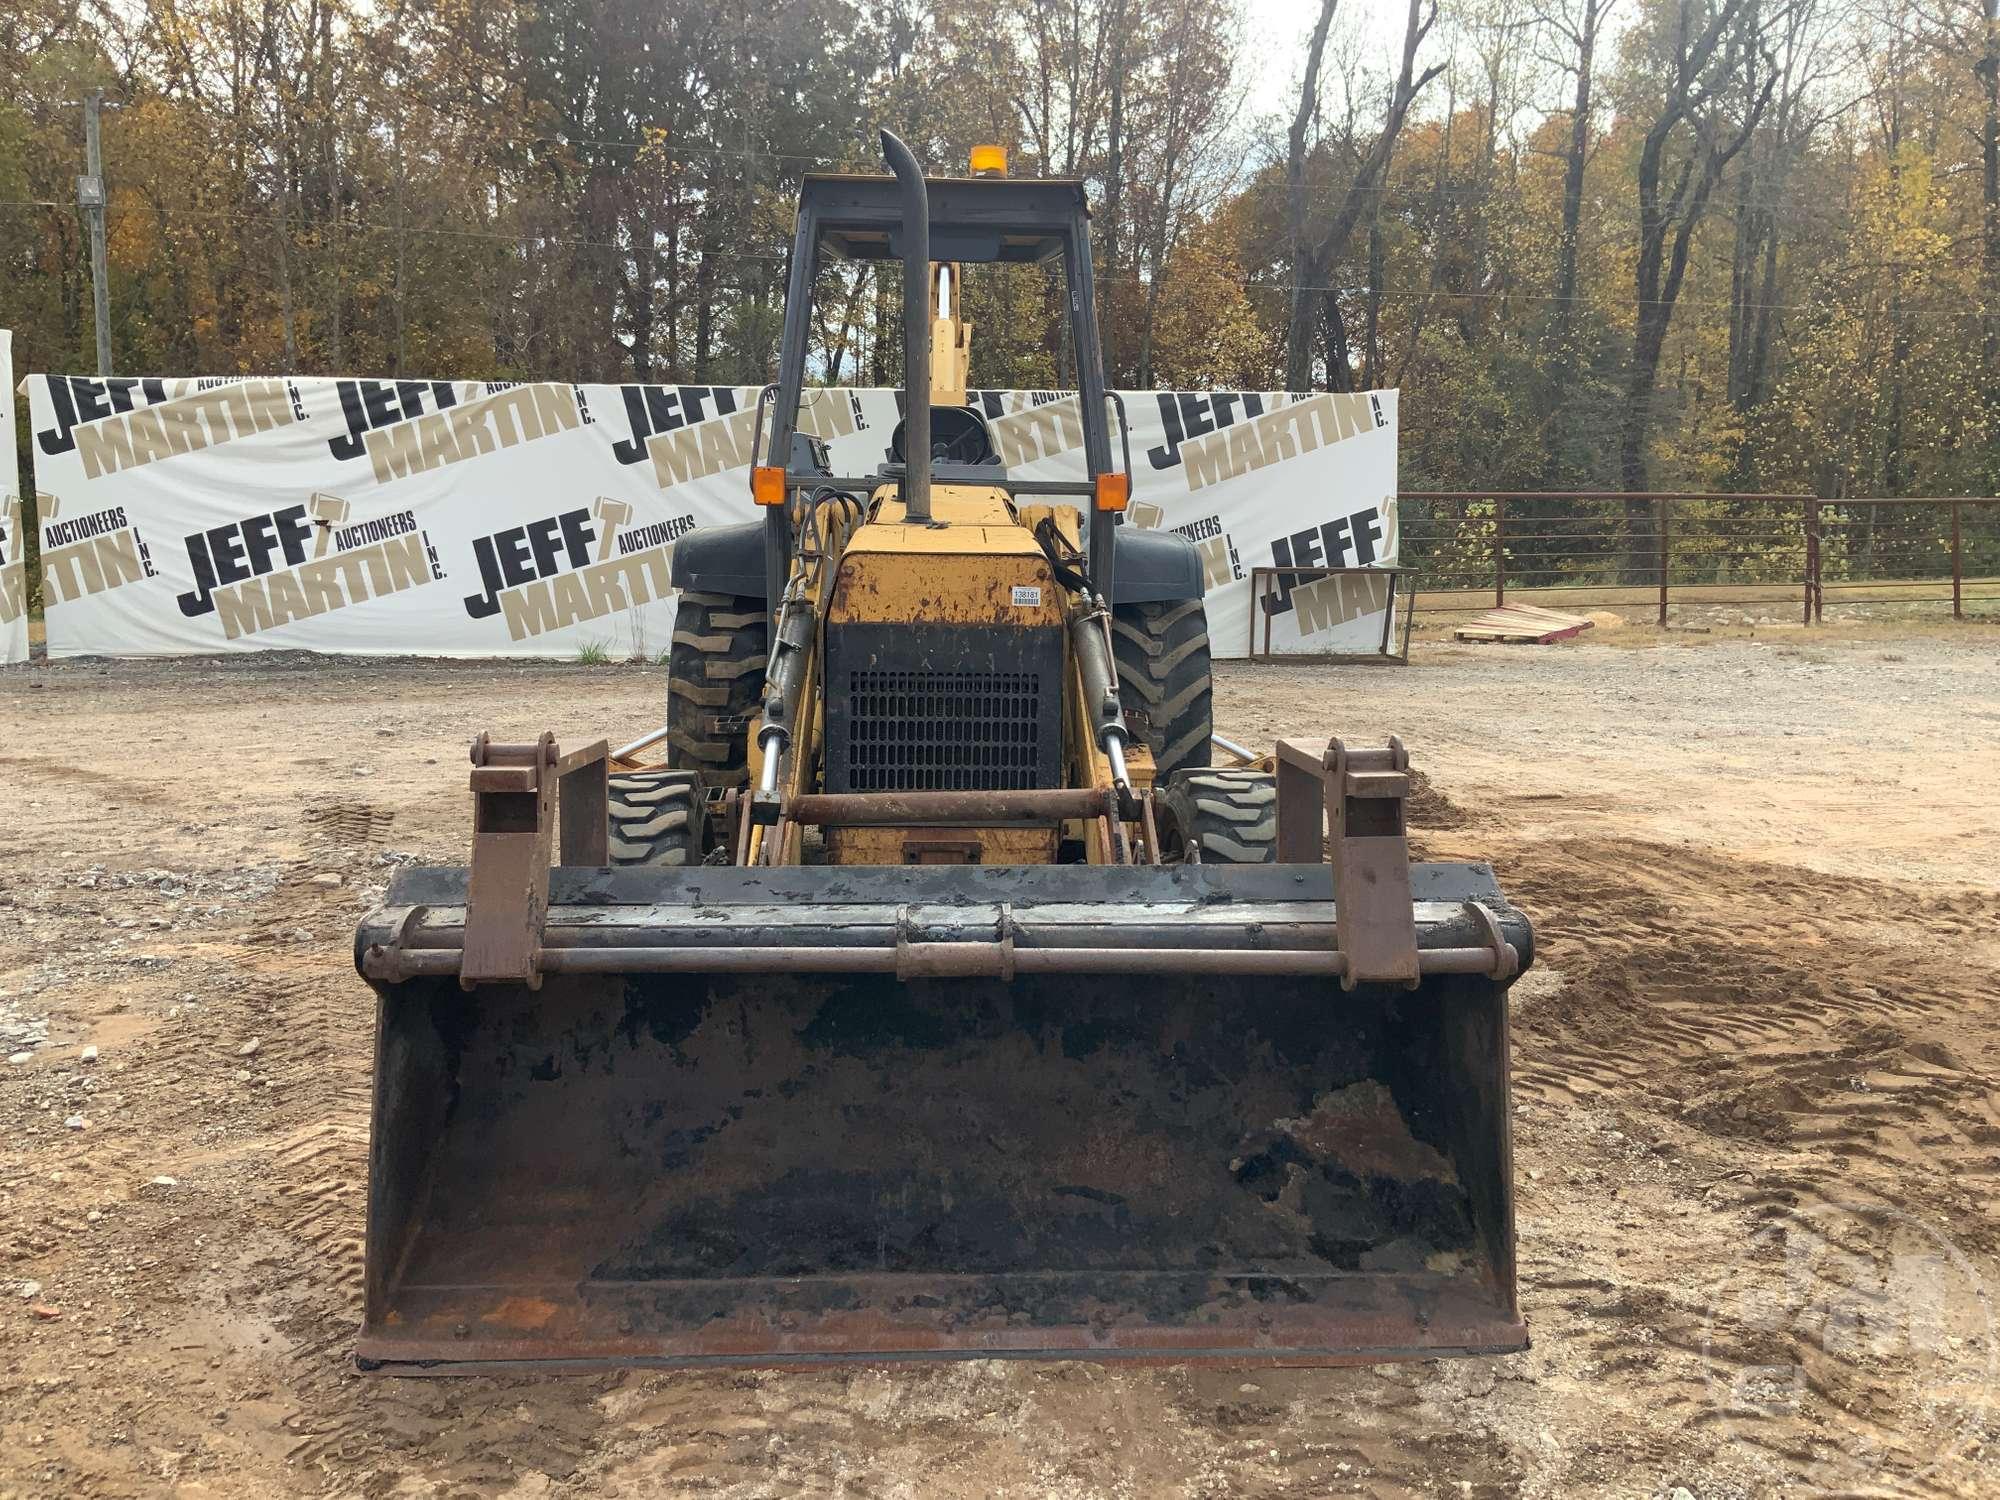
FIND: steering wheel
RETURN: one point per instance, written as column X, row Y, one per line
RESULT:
column 958, row 436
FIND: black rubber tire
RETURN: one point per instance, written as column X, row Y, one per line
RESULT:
column 1220, row 818
column 658, row 818
column 1164, row 681
column 715, row 674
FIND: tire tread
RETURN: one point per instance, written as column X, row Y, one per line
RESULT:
column 659, row 818
column 1228, row 816
column 1165, row 680
column 715, row 674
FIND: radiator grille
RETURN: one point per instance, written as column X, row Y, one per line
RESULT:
column 945, row 731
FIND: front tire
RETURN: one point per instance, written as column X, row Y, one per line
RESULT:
column 715, row 673
column 659, row 819
column 1165, row 684
column 1220, row 818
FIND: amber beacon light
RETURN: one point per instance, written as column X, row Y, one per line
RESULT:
column 767, row 484
column 989, row 161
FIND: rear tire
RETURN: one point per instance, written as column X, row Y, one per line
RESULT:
column 715, row 674
column 1164, row 680
column 1220, row 818
column 658, row 818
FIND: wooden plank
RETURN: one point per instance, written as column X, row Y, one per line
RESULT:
column 1558, row 622
column 1524, row 623
column 1536, row 612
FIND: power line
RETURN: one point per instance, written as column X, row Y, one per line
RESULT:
column 1958, row 311
column 1410, row 195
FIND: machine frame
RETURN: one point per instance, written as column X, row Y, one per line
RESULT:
column 614, row 1106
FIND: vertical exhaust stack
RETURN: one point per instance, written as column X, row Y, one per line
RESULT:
column 916, row 247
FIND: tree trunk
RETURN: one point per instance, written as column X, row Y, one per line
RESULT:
column 1988, row 69
column 1114, row 188
column 704, row 312
column 1575, row 158
column 1561, row 352
column 1298, row 346
column 1746, row 258
column 640, row 296
column 1767, row 316
column 402, row 257
column 1326, row 250
column 1339, row 360
column 1647, row 344
column 1371, row 350
column 1144, row 379
column 1641, row 542
column 337, row 239
column 283, row 237
column 1668, row 219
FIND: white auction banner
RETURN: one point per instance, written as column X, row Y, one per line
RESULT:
column 470, row 519
column 13, row 522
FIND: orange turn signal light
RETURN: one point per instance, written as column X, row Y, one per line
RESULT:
column 767, row 484
column 1114, row 491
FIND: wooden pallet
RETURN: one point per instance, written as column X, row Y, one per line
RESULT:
column 1526, row 623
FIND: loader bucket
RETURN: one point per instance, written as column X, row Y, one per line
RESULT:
column 787, row 1116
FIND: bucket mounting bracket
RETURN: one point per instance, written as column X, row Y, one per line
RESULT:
column 518, row 792
column 1345, row 805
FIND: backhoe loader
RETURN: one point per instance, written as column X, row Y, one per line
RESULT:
column 938, row 997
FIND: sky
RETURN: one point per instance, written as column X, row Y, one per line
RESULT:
column 1276, row 35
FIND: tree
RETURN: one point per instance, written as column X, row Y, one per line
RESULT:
column 1316, row 247
column 1568, row 38
column 1686, row 242
column 1718, row 78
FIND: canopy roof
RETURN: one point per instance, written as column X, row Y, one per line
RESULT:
column 973, row 219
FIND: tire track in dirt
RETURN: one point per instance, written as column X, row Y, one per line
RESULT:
column 1763, row 1011
column 1658, row 1219
column 322, row 1167
column 349, row 821
column 66, row 773
column 474, row 1435
column 1820, row 1049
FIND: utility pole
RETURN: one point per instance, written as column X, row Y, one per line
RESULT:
column 90, row 198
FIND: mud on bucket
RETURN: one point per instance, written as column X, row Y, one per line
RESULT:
column 698, row 1168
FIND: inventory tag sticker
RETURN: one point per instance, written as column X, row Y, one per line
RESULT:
column 1027, row 596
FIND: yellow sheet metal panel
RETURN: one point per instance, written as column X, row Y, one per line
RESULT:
column 951, row 505
column 1139, row 764
column 980, row 566
column 931, row 541
column 973, row 584
column 983, row 567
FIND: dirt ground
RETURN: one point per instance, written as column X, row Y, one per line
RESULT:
column 1757, row 1122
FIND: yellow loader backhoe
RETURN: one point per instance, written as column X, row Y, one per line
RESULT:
column 938, row 998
